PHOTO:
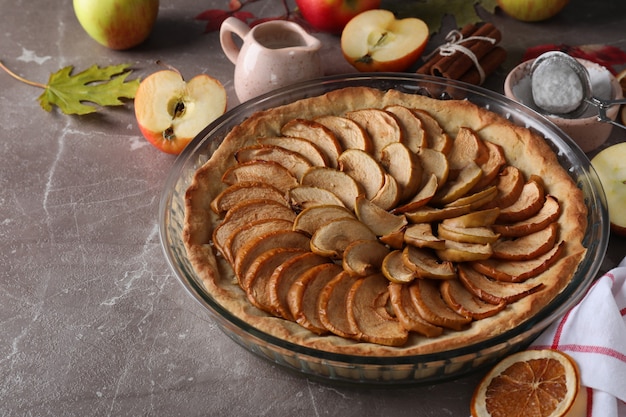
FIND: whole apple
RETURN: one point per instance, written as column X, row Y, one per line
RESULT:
column 117, row 24
column 332, row 15
column 532, row 10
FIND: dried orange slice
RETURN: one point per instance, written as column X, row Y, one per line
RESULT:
column 530, row 383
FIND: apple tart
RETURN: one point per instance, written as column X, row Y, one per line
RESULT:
column 373, row 222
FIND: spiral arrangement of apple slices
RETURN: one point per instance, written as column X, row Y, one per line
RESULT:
column 376, row 223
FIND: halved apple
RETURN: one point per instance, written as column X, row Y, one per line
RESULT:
column 609, row 164
column 376, row 41
column 171, row 112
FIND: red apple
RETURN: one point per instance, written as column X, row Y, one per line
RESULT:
column 376, row 41
column 609, row 164
column 332, row 15
column 532, row 10
column 171, row 112
column 117, row 24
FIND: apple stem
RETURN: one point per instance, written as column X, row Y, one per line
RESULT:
column 24, row 80
column 168, row 66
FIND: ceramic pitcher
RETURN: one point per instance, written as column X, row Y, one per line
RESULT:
column 273, row 54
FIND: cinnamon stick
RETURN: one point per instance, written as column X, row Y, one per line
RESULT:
column 466, row 32
column 457, row 64
column 489, row 63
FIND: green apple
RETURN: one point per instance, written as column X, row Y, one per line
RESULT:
column 609, row 164
column 532, row 10
column 117, row 24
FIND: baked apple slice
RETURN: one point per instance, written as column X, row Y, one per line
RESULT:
column 429, row 304
column 367, row 311
column 332, row 238
column 283, row 278
column 381, row 127
column 495, row 292
column 316, row 133
column 312, row 218
column 249, row 231
column 519, row 271
column 407, row 314
column 378, row 220
column 261, row 171
column 332, row 307
column 246, row 212
column 480, row 234
column 467, row 178
column 236, row 193
column 364, row 169
column 491, row 168
column 425, row 194
column 256, row 279
column 479, row 218
column 302, row 197
column 464, row 252
column 404, row 165
column 304, row 147
column 428, row 214
column 413, row 133
column 527, row 247
column 338, row 182
column 459, row 299
column 304, row 294
column 255, row 247
column 348, row 132
column 292, row 161
column 467, row 148
column 389, row 194
column 527, row 205
column 426, row 265
column 395, row 270
column 477, row 200
column 509, row 184
column 364, row 257
column 549, row 212
column 434, row 162
column 436, row 138
column 421, row 235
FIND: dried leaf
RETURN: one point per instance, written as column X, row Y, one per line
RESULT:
column 103, row 86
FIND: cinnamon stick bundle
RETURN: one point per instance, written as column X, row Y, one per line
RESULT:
column 458, row 64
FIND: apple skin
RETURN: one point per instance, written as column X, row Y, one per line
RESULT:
column 332, row 15
column 117, row 24
column 532, row 10
column 609, row 165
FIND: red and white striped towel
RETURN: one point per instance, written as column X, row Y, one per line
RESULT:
column 594, row 334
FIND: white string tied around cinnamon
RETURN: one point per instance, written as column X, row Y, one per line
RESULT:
column 454, row 40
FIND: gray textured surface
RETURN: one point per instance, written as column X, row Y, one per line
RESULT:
column 92, row 321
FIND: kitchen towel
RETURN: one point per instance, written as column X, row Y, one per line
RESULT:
column 594, row 333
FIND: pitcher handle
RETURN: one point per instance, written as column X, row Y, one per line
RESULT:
column 229, row 26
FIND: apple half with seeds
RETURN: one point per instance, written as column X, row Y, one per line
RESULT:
column 170, row 112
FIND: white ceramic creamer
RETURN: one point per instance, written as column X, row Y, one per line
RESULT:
column 273, row 54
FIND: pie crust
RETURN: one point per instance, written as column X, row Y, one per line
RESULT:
column 522, row 148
